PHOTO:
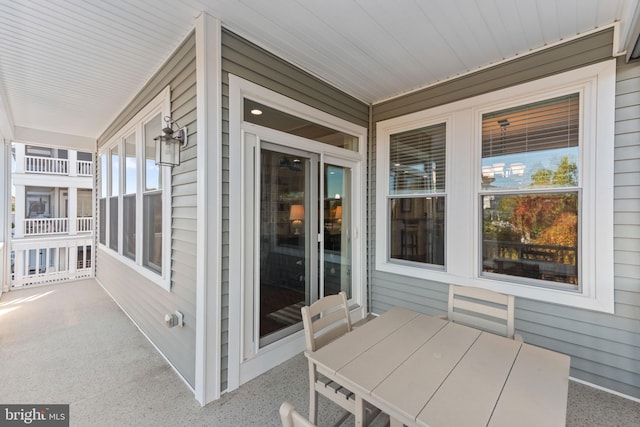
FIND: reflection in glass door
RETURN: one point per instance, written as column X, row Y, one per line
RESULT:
column 337, row 251
column 288, row 236
column 303, row 243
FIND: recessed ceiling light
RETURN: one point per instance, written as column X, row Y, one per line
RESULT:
column 256, row 112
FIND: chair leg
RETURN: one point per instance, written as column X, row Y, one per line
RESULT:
column 313, row 394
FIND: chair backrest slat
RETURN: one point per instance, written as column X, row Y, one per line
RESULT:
column 325, row 320
column 482, row 308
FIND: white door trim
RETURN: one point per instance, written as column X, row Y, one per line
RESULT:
column 241, row 369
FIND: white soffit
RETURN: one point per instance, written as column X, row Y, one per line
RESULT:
column 70, row 66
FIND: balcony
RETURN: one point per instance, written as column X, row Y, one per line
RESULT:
column 46, row 165
column 50, row 260
column 51, row 226
column 49, row 161
column 53, row 166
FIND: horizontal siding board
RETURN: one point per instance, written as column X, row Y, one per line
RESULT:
column 184, row 95
column 628, row 257
column 187, row 260
column 624, row 244
column 631, row 298
column 629, row 112
column 185, row 201
column 625, row 179
column 630, row 284
column 183, row 81
column 627, row 231
column 627, row 86
column 626, row 270
column 624, row 205
column 628, row 192
column 183, row 189
column 535, row 322
column 628, row 126
column 627, row 99
column 631, row 151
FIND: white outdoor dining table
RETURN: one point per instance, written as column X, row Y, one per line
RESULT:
column 426, row 371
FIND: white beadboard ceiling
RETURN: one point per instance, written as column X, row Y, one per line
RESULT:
column 69, row 66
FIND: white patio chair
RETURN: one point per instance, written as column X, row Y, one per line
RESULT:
column 483, row 309
column 324, row 321
column 291, row 417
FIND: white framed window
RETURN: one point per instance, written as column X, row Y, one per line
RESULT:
column 134, row 204
column 528, row 190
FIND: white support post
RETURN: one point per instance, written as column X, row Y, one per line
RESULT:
column 5, row 214
column 209, row 224
column 72, row 156
column 72, row 211
column 20, row 206
column 20, row 150
column 18, row 268
column 72, row 256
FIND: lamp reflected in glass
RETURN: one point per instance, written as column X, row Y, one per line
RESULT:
column 296, row 216
column 338, row 214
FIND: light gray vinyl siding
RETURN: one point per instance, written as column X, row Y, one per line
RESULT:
column 246, row 60
column 145, row 302
column 604, row 348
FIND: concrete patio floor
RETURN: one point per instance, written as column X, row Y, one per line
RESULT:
column 71, row 344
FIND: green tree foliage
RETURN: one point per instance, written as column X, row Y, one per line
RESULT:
column 566, row 174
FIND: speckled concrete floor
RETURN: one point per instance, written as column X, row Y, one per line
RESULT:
column 70, row 343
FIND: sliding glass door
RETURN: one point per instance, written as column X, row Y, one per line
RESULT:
column 301, row 235
column 287, row 218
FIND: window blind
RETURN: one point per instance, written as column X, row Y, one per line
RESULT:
column 544, row 125
column 417, row 160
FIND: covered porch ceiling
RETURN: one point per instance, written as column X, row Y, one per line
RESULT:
column 70, row 66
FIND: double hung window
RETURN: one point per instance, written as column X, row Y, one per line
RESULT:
column 416, row 195
column 134, row 205
column 530, row 192
column 510, row 190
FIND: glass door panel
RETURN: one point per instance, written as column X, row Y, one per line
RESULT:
column 287, row 238
column 337, row 251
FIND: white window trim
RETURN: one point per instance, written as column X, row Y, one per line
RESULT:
column 161, row 104
column 596, row 83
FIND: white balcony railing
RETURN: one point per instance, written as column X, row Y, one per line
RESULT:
column 46, row 165
column 50, row 226
column 85, row 168
column 45, row 226
column 84, row 224
column 47, row 260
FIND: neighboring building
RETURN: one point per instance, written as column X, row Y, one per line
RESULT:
column 52, row 218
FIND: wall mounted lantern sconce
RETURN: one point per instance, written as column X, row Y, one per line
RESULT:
column 169, row 143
